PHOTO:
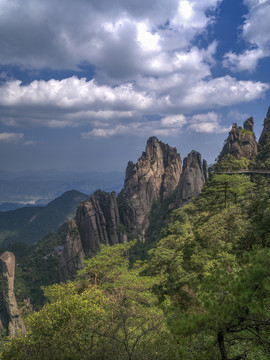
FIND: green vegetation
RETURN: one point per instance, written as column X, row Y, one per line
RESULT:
column 203, row 292
column 230, row 162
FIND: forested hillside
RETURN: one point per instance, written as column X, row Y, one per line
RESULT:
column 203, row 293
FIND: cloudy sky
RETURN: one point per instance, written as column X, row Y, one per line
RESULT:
column 84, row 83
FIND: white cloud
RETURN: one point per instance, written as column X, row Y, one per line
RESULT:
column 120, row 39
column 223, row 91
column 73, row 101
column 248, row 60
column 174, row 120
column 254, row 31
column 29, row 143
column 207, row 123
column 10, row 137
column 237, row 115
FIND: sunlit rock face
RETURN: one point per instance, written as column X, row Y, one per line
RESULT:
column 194, row 176
column 10, row 317
column 241, row 142
column 154, row 177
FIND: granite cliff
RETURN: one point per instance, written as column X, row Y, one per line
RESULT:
column 264, row 141
column 194, row 176
column 241, row 142
column 154, row 177
column 72, row 257
column 10, row 314
column 97, row 222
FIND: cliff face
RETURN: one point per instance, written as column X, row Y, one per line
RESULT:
column 154, row 177
column 241, row 142
column 194, row 176
column 72, row 257
column 264, row 138
column 97, row 222
column 11, row 318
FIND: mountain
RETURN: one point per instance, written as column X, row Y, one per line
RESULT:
column 204, row 284
column 153, row 178
column 149, row 189
column 193, row 178
column 241, row 142
column 31, row 224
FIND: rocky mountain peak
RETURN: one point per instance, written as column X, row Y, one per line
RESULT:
column 154, row 177
column 249, row 124
column 241, row 142
column 194, row 176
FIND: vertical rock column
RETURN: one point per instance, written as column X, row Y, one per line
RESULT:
column 194, row 176
column 15, row 323
column 153, row 178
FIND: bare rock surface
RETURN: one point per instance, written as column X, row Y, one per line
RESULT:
column 72, row 257
column 98, row 222
column 154, row 177
column 241, row 142
column 194, row 176
column 11, row 318
column 264, row 138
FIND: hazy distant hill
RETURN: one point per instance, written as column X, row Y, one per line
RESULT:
column 30, row 224
column 38, row 188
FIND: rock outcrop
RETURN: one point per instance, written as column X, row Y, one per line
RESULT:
column 154, row 177
column 264, row 141
column 10, row 316
column 241, row 142
column 194, row 176
column 72, row 257
column 97, row 222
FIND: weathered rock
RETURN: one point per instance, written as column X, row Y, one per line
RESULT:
column 154, row 177
column 12, row 318
column 194, row 176
column 72, row 257
column 98, row 222
column 264, row 140
column 241, row 142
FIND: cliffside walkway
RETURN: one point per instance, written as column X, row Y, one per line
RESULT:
column 255, row 171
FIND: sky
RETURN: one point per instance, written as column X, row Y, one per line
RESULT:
column 84, row 83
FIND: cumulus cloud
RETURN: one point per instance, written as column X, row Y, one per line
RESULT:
column 10, row 137
column 145, row 59
column 119, row 40
column 74, row 101
column 237, row 115
column 167, row 126
column 254, row 30
column 207, row 123
column 248, row 60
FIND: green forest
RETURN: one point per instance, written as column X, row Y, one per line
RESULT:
column 203, row 291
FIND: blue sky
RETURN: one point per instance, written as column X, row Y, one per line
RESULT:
column 84, row 83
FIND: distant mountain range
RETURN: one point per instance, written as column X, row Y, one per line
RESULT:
column 31, row 224
column 39, row 188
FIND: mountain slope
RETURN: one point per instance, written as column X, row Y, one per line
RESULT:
column 31, row 224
